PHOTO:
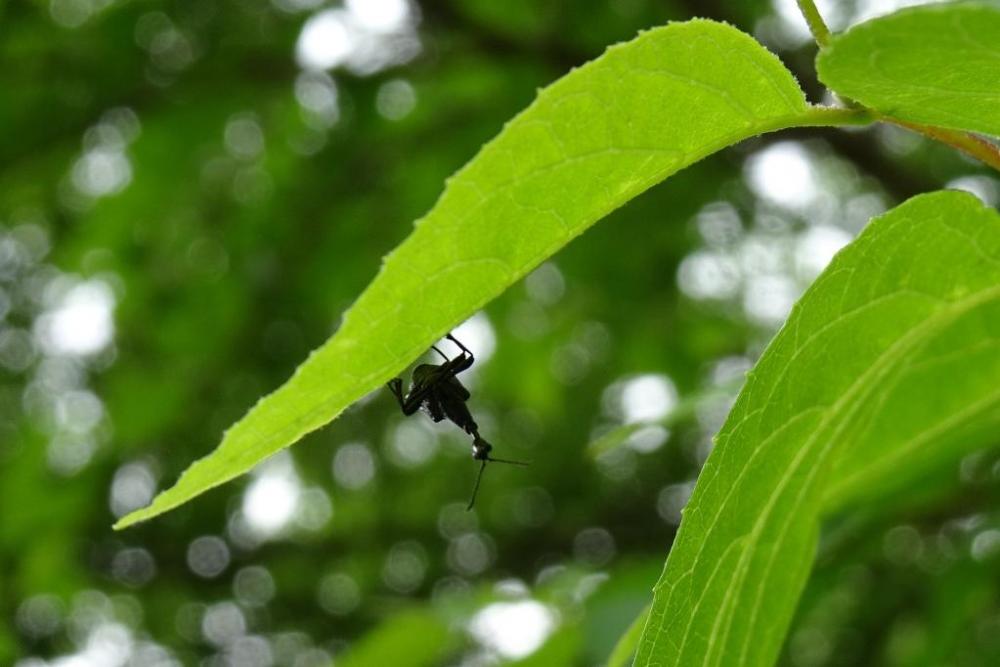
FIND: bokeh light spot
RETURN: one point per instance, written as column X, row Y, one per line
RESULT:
column 380, row 15
column 783, row 174
column 132, row 487
column 208, row 556
column 254, row 586
column 133, row 566
column 271, row 500
column 513, row 629
column 594, row 546
column 353, row 466
column 395, row 99
column 405, row 567
column 325, row 41
column 78, row 321
column 470, row 554
column 223, row 623
column 338, row 594
column 647, row 398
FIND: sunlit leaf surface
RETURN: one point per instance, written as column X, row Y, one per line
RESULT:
column 886, row 367
column 589, row 143
column 937, row 64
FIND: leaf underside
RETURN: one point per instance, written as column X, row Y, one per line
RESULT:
column 886, row 369
column 590, row 142
column 933, row 64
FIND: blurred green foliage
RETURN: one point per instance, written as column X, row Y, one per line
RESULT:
column 186, row 211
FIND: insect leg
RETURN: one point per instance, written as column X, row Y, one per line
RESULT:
column 464, row 349
column 407, row 406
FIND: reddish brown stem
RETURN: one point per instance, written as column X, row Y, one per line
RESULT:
column 982, row 149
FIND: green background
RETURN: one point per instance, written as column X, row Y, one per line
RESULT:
column 174, row 160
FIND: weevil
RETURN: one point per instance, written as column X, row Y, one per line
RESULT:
column 436, row 389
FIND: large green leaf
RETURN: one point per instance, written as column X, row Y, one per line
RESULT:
column 590, row 142
column 934, row 64
column 889, row 363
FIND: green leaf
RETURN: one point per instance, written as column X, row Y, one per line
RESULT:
column 625, row 648
column 887, row 366
column 590, row 142
column 414, row 638
column 934, row 64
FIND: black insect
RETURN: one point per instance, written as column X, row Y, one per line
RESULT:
column 437, row 391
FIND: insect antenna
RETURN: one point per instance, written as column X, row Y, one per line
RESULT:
column 475, row 489
column 513, row 463
column 479, row 477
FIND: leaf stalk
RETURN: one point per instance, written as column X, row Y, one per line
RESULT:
column 817, row 26
column 975, row 146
